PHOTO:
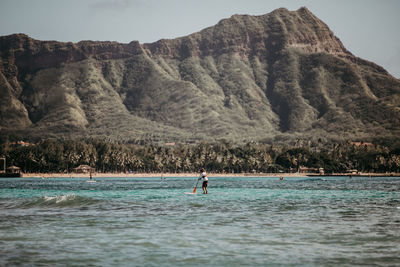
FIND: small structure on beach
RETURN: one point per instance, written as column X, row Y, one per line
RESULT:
column 303, row 169
column 14, row 170
column 354, row 171
column 83, row 169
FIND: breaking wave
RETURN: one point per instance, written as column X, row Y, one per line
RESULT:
column 56, row 201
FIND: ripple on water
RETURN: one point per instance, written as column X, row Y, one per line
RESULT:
column 243, row 221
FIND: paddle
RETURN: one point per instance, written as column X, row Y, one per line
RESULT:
column 194, row 190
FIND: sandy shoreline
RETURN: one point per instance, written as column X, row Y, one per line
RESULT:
column 155, row 175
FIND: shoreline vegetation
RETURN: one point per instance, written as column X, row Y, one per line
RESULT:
column 195, row 175
column 58, row 158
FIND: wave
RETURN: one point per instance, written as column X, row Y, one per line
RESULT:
column 55, row 201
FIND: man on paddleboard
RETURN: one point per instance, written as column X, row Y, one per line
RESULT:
column 203, row 176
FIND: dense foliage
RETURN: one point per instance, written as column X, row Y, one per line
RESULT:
column 62, row 156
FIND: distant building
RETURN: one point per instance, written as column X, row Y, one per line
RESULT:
column 358, row 144
column 352, row 171
column 83, row 169
column 14, row 170
column 170, row 144
column 2, row 164
column 311, row 170
column 20, row 143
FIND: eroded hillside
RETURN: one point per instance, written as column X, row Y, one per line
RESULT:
column 280, row 75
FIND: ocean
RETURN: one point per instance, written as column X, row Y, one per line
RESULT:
column 243, row 221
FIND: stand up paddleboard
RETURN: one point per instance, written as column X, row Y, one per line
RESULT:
column 194, row 190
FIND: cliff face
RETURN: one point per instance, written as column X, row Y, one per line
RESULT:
column 280, row 75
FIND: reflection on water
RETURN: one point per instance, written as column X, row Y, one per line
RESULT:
column 242, row 221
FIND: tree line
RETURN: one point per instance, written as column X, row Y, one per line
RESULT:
column 62, row 156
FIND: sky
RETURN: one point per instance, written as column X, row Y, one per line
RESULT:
column 368, row 28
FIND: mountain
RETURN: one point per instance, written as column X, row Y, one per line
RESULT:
column 279, row 76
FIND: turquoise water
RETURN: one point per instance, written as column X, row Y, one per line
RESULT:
column 241, row 222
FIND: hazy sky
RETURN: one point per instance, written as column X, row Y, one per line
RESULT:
column 368, row 28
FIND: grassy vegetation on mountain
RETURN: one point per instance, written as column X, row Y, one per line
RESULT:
column 270, row 78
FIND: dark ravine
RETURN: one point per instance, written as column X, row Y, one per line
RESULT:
column 279, row 76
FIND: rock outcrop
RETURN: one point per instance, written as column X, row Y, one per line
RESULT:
column 283, row 75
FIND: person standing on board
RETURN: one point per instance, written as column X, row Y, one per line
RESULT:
column 203, row 176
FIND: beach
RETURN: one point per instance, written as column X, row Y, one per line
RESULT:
column 154, row 175
column 149, row 175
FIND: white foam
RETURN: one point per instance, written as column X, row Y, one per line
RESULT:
column 59, row 199
column 49, row 198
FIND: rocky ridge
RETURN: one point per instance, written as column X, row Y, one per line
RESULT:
column 279, row 76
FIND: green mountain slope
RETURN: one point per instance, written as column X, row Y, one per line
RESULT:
column 283, row 75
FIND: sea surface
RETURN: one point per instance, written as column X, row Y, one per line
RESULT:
column 243, row 221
